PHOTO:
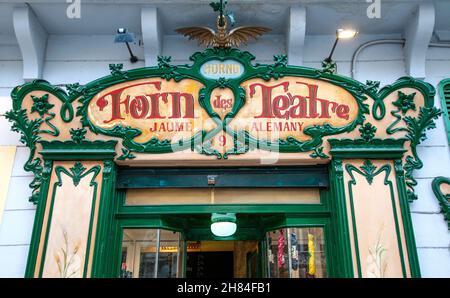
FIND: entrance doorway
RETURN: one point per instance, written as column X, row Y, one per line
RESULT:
column 283, row 218
column 288, row 252
column 222, row 259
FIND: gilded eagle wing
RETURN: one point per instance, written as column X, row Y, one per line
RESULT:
column 243, row 34
column 203, row 35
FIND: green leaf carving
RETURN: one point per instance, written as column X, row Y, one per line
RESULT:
column 404, row 103
column 367, row 131
column 369, row 170
column 126, row 154
column 223, row 83
column 318, row 153
column 77, row 170
column 41, row 104
column 28, row 129
column 280, row 60
column 372, row 86
column 416, row 128
column 164, row 61
column 78, row 135
column 116, row 69
column 329, row 67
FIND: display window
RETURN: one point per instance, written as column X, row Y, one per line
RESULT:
column 296, row 253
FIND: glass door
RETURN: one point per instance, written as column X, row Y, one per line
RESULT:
column 152, row 253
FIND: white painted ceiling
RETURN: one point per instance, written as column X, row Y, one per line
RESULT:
column 323, row 16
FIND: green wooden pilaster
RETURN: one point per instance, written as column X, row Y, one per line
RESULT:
column 345, row 266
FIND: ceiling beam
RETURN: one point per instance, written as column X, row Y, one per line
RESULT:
column 151, row 34
column 32, row 40
column 418, row 34
column 295, row 34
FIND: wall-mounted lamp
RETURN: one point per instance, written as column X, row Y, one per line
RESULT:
column 341, row 34
column 123, row 36
column 223, row 224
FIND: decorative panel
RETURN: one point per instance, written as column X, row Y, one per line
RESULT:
column 192, row 196
column 70, row 220
column 375, row 219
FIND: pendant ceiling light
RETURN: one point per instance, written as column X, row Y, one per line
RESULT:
column 223, row 224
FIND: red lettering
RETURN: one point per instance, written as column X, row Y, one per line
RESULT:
column 281, row 103
column 298, row 110
column 342, row 111
column 154, row 101
column 286, row 106
column 266, row 92
column 189, row 103
column 220, row 103
column 116, row 103
column 139, row 107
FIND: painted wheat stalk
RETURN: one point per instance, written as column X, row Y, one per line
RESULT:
column 65, row 261
column 377, row 265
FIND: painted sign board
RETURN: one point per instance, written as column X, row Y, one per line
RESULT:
column 223, row 106
column 170, row 110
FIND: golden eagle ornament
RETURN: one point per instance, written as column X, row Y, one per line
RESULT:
column 222, row 38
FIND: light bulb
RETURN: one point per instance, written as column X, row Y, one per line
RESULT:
column 346, row 33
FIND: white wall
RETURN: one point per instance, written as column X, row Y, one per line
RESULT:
column 17, row 221
column 432, row 234
column 74, row 58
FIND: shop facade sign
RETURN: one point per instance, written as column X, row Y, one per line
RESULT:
column 224, row 109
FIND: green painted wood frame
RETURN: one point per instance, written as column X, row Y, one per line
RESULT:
column 393, row 151
column 444, row 94
column 443, row 198
column 369, row 171
column 172, row 219
column 238, row 177
column 114, row 215
column 103, row 152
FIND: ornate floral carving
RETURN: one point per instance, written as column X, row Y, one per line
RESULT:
column 404, row 103
column 116, row 69
column 29, row 136
column 416, row 128
column 329, row 66
column 318, row 153
column 372, row 86
column 367, row 131
column 41, row 104
column 126, row 154
column 369, row 170
column 78, row 134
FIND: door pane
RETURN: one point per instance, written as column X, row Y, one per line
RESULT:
column 150, row 253
column 296, row 253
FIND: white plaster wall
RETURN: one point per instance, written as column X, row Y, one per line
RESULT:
column 81, row 58
column 17, row 220
column 431, row 231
